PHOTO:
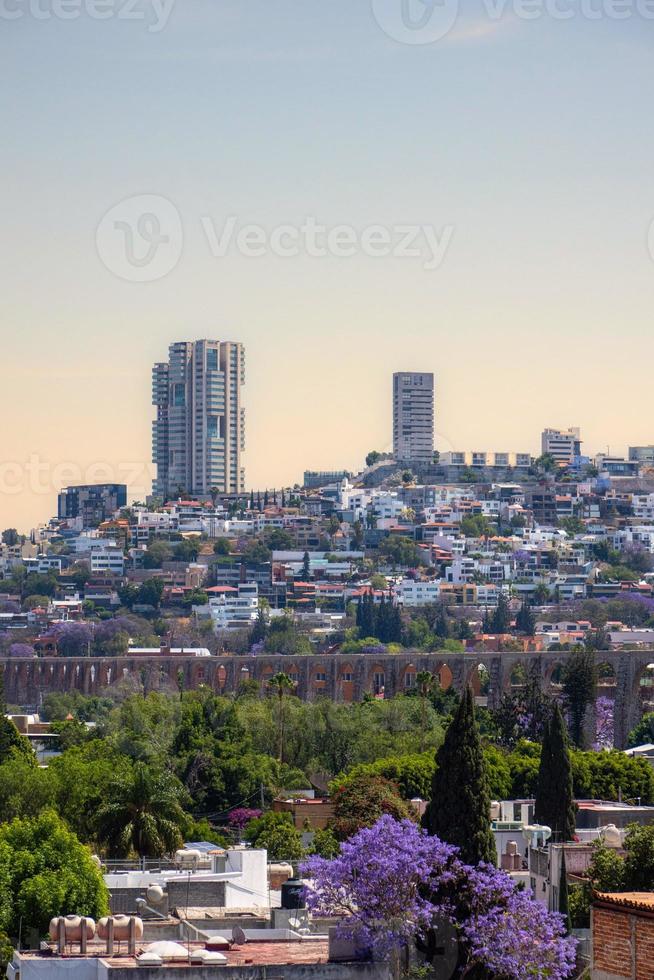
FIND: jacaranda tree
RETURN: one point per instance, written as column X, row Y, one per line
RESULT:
column 392, row 883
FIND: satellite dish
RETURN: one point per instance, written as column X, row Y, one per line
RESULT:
column 238, row 936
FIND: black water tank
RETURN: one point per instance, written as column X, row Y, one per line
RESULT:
column 293, row 894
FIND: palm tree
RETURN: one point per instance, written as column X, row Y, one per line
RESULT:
column 425, row 681
column 142, row 814
column 281, row 684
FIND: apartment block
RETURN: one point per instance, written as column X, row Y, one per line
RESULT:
column 563, row 444
column 92, row 503
column 413, row 416
column 198, row 435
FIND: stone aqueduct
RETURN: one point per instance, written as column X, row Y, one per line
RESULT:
column 626, row 677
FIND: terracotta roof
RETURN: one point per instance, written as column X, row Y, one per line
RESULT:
column 628, row 900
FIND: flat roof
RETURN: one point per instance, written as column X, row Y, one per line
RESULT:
column 274, row 952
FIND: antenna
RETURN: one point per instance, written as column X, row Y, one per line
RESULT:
column 238, row 936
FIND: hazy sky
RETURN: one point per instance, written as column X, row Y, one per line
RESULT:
column 526, row 146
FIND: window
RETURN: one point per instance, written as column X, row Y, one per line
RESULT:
column 212, row 426
column 179, row 395
column 212, row 360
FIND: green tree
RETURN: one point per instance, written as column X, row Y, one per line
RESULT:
column 579, row 679
column 256, row 553
column 157, row 553
column 13, row 744
column 643, row 733
column 143, row 813
column 555, row 805
column 222, row 546
column 10, row 537
column 501, row 619
column 425, row 683
column 276, row 833
column 46, row 871
column 525, row 620
column 362, row 800
column 459, row 808
column 281, row 684
column 373, row 457
column 306, row 567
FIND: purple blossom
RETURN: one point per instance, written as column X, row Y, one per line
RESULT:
column 21, row 650
column 392, row 882
column 384, row 882
column 604, row 724
column 512, row 934
column 242, row 815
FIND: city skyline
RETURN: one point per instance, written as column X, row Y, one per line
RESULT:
column 42, row 484
column 273, row 114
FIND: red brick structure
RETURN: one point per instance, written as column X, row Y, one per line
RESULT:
column 622, row 927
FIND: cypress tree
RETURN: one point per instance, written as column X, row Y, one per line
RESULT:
column 555, row 805
column 459, row 809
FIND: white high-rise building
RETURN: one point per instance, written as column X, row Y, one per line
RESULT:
column 413, row 415
column 199, row 433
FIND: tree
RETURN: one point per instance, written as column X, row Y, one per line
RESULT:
column 187, row 550
column 373, row 457
column 281, row 684
column 45, row 871
column 501, row 618
column 142, row 814
column 425, row 683
column 306, row 567
column 579, row 678
column 12, row 743
column 361, row 801
column 459, row 808
column 643, row 733
column 221, row 546
column 150, row 592
column 277, row 833
column 256, row 553
column 525, row 620
column 392, row 883
column 157, row 553
column 10, row 537
column 555, row 805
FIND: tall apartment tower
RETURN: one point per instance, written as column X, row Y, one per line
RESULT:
column 413, row 416
column 198, row 435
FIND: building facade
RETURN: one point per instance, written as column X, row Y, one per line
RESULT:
column 642, row 454
column 93, row 503
column 413, row 415
column 564, row 445
column 199, row 432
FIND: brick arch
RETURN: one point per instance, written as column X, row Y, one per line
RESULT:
column 408, row 676
column 475, row 678
column 345, row 689
column 318, row 680
column 377, row 678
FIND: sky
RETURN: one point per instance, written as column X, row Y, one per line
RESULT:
column 162, row 161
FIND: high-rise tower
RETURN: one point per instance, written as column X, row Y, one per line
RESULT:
column 198, row 435
column 413, row 416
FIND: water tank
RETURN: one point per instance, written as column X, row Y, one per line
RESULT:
column 72, row 928
column 121, row 927
column 187, row 858
column 611, row 835
column 154, row 895
column 293, row 894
